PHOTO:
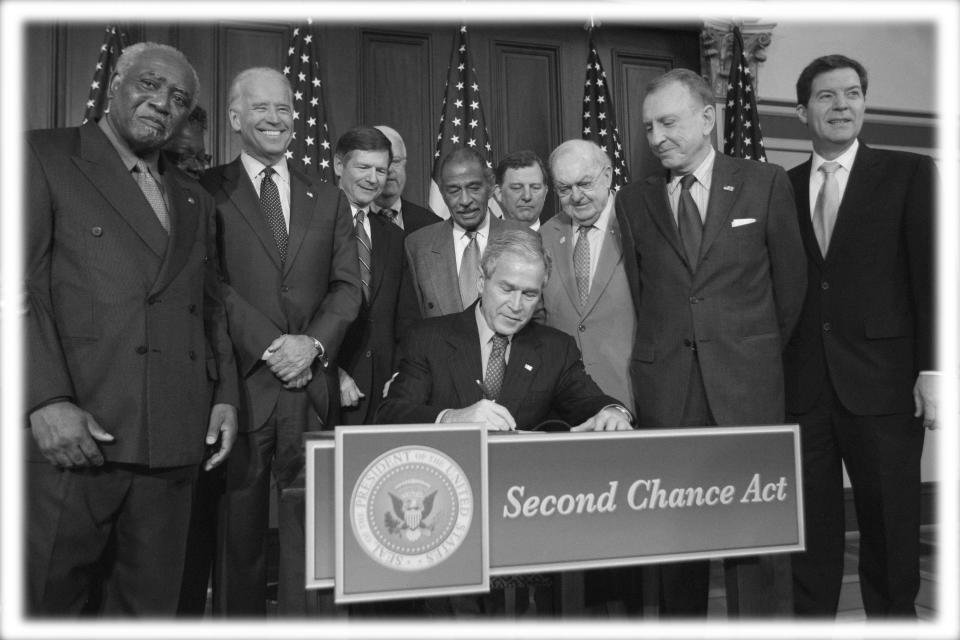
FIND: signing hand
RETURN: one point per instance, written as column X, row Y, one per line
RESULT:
column 926, row 394
column 67, row 435
column 607, row 419
column 495, row 416
column 289, row 355
column 350, row 393
column 223, row 423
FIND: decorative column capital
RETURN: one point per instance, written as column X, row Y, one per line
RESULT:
column 716, row 45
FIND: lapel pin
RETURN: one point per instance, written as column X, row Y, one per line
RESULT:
column 528, row 367
column 190, row 199
column 563, row 239
column 309, row 194
column 728, row 187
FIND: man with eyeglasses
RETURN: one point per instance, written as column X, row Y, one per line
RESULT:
column 521, row 188
column 718, row 273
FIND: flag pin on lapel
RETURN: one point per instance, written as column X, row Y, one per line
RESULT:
column 728, row 187
column 563, row 239
column 528, row 367
column 309, row 194
column 190, row 199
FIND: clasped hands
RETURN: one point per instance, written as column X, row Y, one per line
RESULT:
column 289, row 358
column 496, row 417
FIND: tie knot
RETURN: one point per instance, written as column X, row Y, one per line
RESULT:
column 687, row 181
column 472, row 235
column 141, row 167
column 268, row 171
column 499, row 341
column 584, row 229
column 829, row 167
column 391, row 214
column 361, row 214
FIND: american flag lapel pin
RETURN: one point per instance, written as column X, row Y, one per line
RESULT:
column 309, row 194
column 190, row 199
column 728, row 187
column 528, row 367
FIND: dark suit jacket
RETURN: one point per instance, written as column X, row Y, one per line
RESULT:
column 367, row 351
column 416, row 217
column 440, row 369
column 874, row 288
column 316, row 292
column 122, row 319
column 738, row 308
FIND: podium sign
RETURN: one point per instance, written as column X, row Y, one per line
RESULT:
column 563, row 501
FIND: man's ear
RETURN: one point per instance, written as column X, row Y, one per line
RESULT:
column 802, row 113
column 498, row 194
column 338, row 166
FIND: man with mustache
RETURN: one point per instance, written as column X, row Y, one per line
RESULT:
column 127, row 348
column 289, row 262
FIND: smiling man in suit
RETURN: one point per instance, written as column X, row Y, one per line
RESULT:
column 126, row 344
column 718, row 280
column 289, row 259
column 860, row 368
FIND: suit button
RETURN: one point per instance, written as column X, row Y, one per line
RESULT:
column 826, row 327
column 192, row 308
column 429, row 305
column 824, row 285
column 96, row 232
column 192, row 355
column 694, row 299
column 368, row 354
column 141, row 350
column 582, row 328
column 153, row 300
column 284, row 289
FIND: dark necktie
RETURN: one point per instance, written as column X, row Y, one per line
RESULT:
column 151, row 191
column 363, row 250
column 273, row 211
column 828, row 202
column 689, row 222
column 581, row 263
column 392, row 215
column 469, row 270
column 496, row 365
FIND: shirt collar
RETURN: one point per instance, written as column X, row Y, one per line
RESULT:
column 703, row 173
column 601, row 222
column 254, row 167
column 486, row 333
column 127, row 156
column 845, row 159
column 482, row 230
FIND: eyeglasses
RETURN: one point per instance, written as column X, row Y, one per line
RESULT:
column 585, row 186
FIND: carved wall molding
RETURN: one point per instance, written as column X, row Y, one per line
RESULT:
column 716, row 44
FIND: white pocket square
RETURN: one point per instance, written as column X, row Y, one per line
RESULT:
column 739, row 222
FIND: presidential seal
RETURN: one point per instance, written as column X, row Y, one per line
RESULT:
column 411, row 508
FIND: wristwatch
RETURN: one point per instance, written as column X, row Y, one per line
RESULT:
column 321, row 352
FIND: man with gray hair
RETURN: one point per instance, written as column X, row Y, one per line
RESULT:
column 290, row 265
column 390, row 202
column 127, row 349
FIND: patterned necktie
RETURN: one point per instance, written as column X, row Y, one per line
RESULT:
column 581, row 262
column 363, row 250
column 496, row 365
column 828, row 202
column 392, row 215
column 469, row 270
column 688, row 221
column 273, row 211
column 151, row 190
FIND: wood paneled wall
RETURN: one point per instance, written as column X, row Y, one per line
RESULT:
column 531, row 77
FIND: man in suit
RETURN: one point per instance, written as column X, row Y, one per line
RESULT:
column 718, row 280
column 361, row 161
column 521, row 187
column 443, row 259
column 588, row 296
column 860, row 369
column 401, row 211
column 126, row 346
column 289, row 260
column 490, row 364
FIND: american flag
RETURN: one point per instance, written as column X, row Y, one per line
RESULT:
column 742, row 138
column 599, row 119
column 114, row 40
column 461, row 119
column 310, row 149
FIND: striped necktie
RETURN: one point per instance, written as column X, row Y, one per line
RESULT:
column 151, row 191
column 363, row 250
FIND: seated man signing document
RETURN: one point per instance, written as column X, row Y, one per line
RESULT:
column 490, row 364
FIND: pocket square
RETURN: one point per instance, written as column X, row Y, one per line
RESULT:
column 739, row 222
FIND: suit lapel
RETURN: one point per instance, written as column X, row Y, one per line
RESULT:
column 523, row 366
column 563, row 255
column 465, row 367
column 244, row 197
column 443, row 273
column 303, row 204
column 380, row 238
column 724, row 189
column 865, row 179
column 185, row 213
column 124, row 195
column 655, row 197
column 800, row 177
